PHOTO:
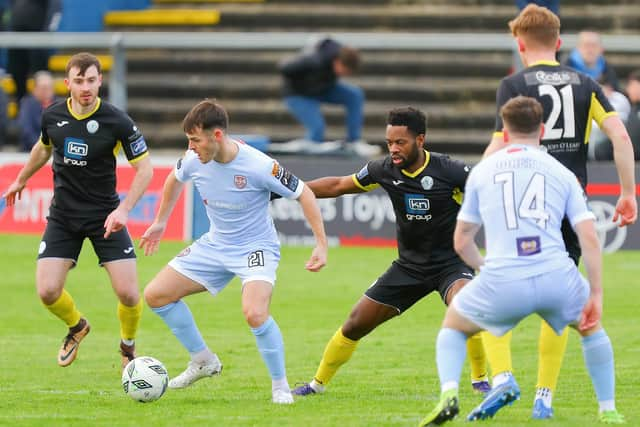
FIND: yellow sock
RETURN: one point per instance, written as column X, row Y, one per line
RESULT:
column 65, row 309
column 129, row 319
column 338, row 351
column 477, row 358
column 498, row 352
column 551, row 348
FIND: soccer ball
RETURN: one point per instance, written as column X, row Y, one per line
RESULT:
column 145, row 379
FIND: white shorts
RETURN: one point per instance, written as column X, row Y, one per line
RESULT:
column 498, row 305
column 213, row 265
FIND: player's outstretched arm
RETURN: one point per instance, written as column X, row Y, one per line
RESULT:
column 312, row 213
column 150, row 240
column 465, row 245
column 40, row 154
column 627, row 207
column 592, row 255
column 333, row 186
column 118, row 218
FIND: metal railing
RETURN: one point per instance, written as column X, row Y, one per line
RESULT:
column 119, row 42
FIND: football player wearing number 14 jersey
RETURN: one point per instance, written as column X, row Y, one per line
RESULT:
column 570, row 101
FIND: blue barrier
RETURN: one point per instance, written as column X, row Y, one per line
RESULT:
column 80, row 15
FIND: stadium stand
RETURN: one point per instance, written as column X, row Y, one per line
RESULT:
column 455, row 88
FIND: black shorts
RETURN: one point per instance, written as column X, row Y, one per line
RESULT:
column 63, row 238
column 571, row 241
column 400, row 289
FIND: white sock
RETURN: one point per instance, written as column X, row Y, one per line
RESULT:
column 607, row 405
column 281, row 384
column 545, row 394
column 448, row 386
column 203, row 356
column 128, row 342
column 501, row 378
column 316, row 386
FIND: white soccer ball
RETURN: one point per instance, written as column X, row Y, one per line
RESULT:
column 145, row 379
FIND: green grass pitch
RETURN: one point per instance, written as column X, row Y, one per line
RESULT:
column 390, row 381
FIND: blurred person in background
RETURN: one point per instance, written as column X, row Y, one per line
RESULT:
column 588, row 58
column 31, row 108
column 312, row 78
column 30, row 15
column 552, row 5
column 633, row 122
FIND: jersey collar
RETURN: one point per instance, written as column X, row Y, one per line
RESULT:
column 544, row 62
column 82, row 116
column 427, row 157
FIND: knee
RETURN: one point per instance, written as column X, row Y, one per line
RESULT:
column 153, row 298
column 255, row 316
column 48, row 294
column 353, row 328
column 130, row 297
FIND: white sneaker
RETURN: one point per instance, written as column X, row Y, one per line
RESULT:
column 194, row 372
column 283, row 397
column 362, row 149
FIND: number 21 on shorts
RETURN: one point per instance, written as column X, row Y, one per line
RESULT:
column 256, row 259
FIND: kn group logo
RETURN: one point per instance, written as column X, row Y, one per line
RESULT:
column 417, row 207
column 75, row 148
column 75, row 151
column 3, row 205
column 416, row 203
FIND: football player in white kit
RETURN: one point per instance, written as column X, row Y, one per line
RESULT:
column 235, row 182
column 520, row 195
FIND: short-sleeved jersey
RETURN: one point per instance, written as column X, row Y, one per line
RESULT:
column 236, row 194
column 570, row 100
column 425, row 203
column 84, row 156
column 521, row 194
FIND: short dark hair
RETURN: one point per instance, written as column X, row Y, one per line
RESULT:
column 83, row 61
column 349, row 57
column 522, row 115
column 635, row 75
column 206, row 115
column 410, row 117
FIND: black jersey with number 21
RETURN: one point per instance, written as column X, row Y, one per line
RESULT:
column 570, row 100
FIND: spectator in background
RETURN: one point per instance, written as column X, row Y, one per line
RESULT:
column 633, row 123
column 552, row 5
column 312, row 78
column 31, row 15
column 31, row 108
column 588, row 57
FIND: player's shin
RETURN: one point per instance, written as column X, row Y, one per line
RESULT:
column 477, row 359
column 179, row 319
column 337, row 352
column 551, row 349
column 129, row 317
column 450, row 355
column 271, row 347
column 65, row 309
column 598, row 358
column 499, row 354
